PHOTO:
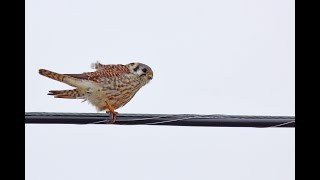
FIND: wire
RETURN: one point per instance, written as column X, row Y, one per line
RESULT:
column 140, row 119
column 280, row 125
column 217, row 120
column 173, row 120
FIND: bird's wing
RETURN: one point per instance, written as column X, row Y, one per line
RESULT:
column 113, row 70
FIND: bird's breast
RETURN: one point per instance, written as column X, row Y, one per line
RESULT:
column 117, row 91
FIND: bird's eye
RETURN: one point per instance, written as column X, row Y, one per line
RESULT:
column 144, row 70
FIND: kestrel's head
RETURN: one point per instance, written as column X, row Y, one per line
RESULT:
column 142, row 70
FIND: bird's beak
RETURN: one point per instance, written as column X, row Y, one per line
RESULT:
column 149, row 75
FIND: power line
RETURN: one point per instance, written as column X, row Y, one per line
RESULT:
column 162, row 119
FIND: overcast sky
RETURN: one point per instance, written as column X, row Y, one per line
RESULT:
column 208, row 57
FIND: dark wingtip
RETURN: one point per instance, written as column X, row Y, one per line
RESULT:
column 51, row 93
column 42, row 71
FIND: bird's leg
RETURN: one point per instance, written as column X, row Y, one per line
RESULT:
column 113, row 114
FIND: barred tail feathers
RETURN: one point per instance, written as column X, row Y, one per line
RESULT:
column 70, row 94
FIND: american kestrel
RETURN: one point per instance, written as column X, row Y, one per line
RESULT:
column 108, row 88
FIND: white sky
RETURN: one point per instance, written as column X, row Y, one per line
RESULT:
column 208, row 57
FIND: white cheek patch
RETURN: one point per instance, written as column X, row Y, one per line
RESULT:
column 139, row 72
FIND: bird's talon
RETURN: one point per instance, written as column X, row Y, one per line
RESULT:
column 112, row 117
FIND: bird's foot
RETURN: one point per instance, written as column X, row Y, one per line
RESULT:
column 112, row 118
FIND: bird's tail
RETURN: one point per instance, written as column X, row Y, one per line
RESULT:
column 70, row 94
column 61, row 77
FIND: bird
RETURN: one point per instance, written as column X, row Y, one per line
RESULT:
column 108, row 88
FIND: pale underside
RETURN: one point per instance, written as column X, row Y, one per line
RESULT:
column 116, row 91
